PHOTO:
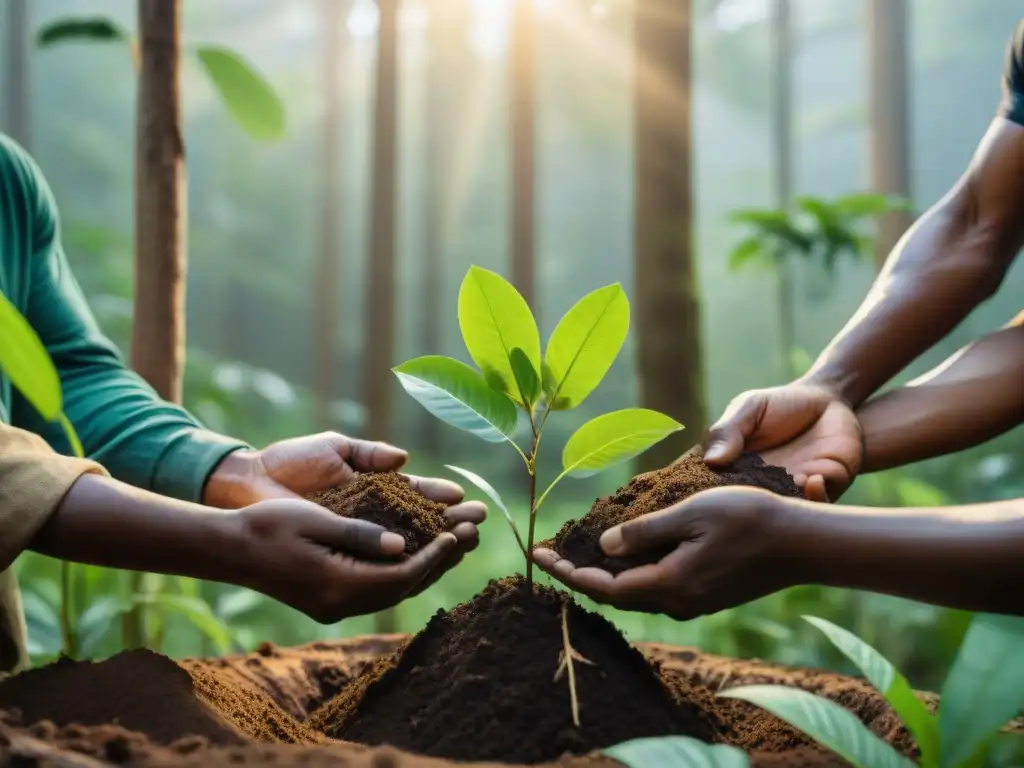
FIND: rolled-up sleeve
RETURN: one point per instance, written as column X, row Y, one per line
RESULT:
column 33, row 482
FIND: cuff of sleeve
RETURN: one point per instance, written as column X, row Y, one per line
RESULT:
column 186, row 465
column 34, row 485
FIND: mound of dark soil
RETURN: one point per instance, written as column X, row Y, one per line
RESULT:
column 578, row 540
column 478, row 684
column 389, row 500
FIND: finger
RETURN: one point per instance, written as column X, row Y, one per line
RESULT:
column 467, row 535
column 469, row 512
column 357, row 537
column 728, row 435
column 437, row 489
column 417, row 567
column 553, row 563
column 371, row 456
column 656, row 529
column 815, row 490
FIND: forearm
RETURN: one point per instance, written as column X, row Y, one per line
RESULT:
column 971, row 398
column 969, row 557
column 939, row 272
column 108, row 523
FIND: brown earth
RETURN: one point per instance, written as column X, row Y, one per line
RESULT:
column 389, row 500
column 578, row 540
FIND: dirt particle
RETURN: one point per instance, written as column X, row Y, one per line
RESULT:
column 578, row 540
column 389, row 500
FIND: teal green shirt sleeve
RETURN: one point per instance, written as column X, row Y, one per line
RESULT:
column 123, row 424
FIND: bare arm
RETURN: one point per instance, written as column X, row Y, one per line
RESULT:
column 973, row 397
column 950, row 261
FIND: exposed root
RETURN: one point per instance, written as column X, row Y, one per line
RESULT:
column 565, row 663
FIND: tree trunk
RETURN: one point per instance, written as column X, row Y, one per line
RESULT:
column 782, row 119
column 446, row 43
column 522, row 71
column 889, row 141
column 667, row 310
column 17, row 103
column 158, row 330
column 326, row 288
column 380, row 324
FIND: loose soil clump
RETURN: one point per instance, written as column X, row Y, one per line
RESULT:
column 478, row 684
column 389, row 500
column 578, row 540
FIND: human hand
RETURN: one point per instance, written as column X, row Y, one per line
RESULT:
column 804, row 428
column 323, row 564
column 729, row 551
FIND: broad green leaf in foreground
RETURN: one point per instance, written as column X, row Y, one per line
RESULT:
column 458, row 395
column 87, row 30
column 824, row 721
column 676, row 752
column 584, row 345
column 527, row 378
column 615, row 437
column 495, row 319
column 492, row 494
column 890, row 683
column 245, row 92
column 24, row 360
column 985, row 687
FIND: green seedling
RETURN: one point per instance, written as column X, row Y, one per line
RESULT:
column 982, row 692
column 515, row 381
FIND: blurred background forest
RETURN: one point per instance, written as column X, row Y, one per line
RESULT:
column 255, row 245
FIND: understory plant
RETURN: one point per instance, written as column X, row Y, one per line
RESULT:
column 984, row 689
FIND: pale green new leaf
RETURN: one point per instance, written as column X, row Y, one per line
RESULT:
column 492, row 494
column 615, row 437
column 745, row 252
column 24, row 360
column 880, row 672
column 527, row 378
column 985, row 687
column 676, row 752
column 458, row 395
column 584, row 345
column 81, row 30
column 495, row 319
column 824, row 721
column 248, row 96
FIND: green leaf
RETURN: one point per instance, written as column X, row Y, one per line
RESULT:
column 746, row 251
column 584, row 345
column 985, row 687
column 615, row 437
column 24, row 360
column 492, row 494
column 890, row 683
column 81, row 30
column 495, row 319
column 824, row 721
column 249, row 98
column 458, row 395
column 527, row 378
column 1005, row 751
column 676, row 752
column 196, row 611
column 864, row 204
column 774, row 223
column 72, row 435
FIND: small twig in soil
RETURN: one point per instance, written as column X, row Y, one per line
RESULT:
column 565, row 662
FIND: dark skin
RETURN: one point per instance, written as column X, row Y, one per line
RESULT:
column 738, row 544
column 270, row 539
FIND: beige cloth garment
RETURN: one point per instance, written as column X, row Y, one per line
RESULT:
column 34, row 479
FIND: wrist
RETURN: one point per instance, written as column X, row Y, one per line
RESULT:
column 230, row 484
column 800, row 536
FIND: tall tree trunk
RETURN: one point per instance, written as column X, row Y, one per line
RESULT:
column 523, row 88
column 889, row 140
column 17, row 104
column 326, row 288
column 782, row 119
column 667, row 305
column 379, row 329
column 446, row 43
column 158, row 329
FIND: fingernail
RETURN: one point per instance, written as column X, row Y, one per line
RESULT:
column 611, row 541
column 714, row 451
column 391, row 543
